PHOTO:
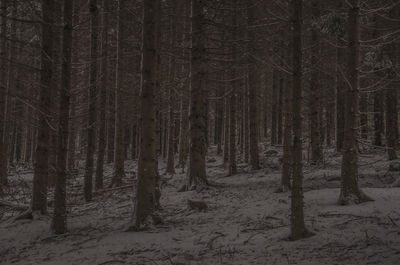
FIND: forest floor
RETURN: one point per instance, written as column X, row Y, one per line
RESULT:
column 245, row 221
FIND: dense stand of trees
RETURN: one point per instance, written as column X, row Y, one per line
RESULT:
column 106, row 81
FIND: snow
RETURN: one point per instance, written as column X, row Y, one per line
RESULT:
column 245, row 222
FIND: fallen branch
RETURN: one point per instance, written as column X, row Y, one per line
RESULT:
column 13, row 205
column 210, row 243
column 113, row 189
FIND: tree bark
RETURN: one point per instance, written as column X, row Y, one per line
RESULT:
column 91, row 121
column 196, row 176
column 146, row 200
column 60, row 213
column 254, row 81
column 315, row 93
column 103, row 100
column 120, row 94
column 391, row 121
column 40, row 176
column 298, row 229
column 350, row 191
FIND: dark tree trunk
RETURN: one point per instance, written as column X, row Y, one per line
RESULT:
column 350, row 191
column 41, row 169
column 103, row 100
column 298, row 229
column 60, row 212
column 91, row 121
column 146, row 200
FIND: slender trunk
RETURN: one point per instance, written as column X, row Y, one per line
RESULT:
column 3, row 93
column 391, row 121
column 254, row 82
column 91, row 121
column 232, row 170
column 146, row 187
column 340, row 102
column 364, row 115
column 103, row 100
column 40, row 176
column 246, row 125
column 171, row 114
column 298, row 229
column 279, row 112
column 350, row 191
column 196, row 175
column 315, row 93
column 287, row 138
column 274, row 107
column 57, row 61
column 60, row 212
column 378, row 117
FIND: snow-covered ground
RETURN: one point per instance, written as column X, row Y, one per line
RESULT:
column 245, row 222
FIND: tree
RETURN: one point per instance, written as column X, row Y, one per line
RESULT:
column 350, row 191
column 298, row 228
column 254, row 79
column 91, row 121
column 41, row 168
column 287, row 138
column 103, row 100
column 315, row 94
column 3, row 97
column 146, row 197
column 60, row 213
column 120, row 94
column 196, row 176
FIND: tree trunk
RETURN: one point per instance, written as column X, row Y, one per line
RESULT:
column 391, row 121
column 196, row 175
column 56, row 84
column 40, row 176
column 340, row 101
column 254, row 82
column 146, row 186
column 298, row 229
column 232, row 170
column 287, row 138
column 274, row 107
column 378, row 117
column 171, row 114
column 246, row 123
column 3, row 93
column 279, row 113
column 315, row 93
column 226, row 128
column 60, row 212
column 103, row 100
column 91, row 121
column 350, row 191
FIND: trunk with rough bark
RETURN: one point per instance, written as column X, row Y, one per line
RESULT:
column 103, row 101
column 298, row 229
column 3, row 93
column 315, row 93
column 59, row 222
column 350, row 191
column 287, row 138
column 120, row 90
column 391, row 121
column 91, row 121
column 146, row 200
column 40, row 176
column 274, row 107
column 254, row 81
column 378, row 117
column 196, row 176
